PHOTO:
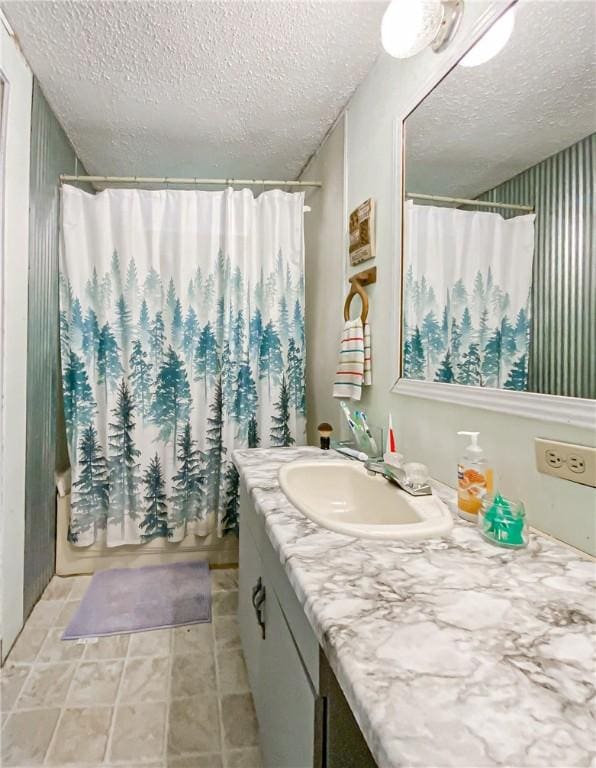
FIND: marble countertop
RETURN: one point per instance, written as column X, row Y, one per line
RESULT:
column 450, row 652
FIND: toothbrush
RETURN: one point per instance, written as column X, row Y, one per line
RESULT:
column 360, row 455
column 373, row 445
column 351, row 423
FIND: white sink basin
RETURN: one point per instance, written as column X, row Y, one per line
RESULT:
column 342, row 496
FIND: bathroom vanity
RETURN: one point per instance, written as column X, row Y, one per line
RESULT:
column 409, row 652
column 304, row 719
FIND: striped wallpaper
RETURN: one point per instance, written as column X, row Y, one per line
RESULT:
column 51, row 154
column 563, row 344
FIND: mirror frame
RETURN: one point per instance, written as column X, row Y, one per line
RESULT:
column 4, row 106
column 574, row 411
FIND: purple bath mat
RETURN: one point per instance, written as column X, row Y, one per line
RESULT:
column 125, row 600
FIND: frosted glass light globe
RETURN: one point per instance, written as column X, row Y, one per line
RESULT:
column 492, row 41
column 408, row 26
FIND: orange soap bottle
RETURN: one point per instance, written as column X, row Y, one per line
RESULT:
column 474, row 479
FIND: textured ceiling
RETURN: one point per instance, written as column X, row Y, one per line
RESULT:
column 214, row 89
column 485, row 124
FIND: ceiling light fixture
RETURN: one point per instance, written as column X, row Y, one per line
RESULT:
column 409, row 26
column 492, row 41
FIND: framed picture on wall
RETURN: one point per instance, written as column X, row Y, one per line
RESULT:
column 362, row 232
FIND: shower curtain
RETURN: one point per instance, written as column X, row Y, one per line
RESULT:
column 182, row 338
column 468, row 276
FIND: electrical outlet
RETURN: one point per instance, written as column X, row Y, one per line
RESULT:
column 553, row 459
column 576, row 463
column 566, row 461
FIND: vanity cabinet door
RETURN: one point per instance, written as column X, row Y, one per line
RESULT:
column 288, row 700
column 249, row 579
column 284, row 697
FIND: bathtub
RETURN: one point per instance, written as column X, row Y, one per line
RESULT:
column 71, row 560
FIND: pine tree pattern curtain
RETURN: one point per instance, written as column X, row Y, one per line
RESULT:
column 182, row 338
column 468, row 277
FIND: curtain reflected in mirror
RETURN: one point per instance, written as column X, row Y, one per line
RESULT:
column 499, row 264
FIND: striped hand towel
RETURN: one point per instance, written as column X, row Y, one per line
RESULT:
column 354, row 366
column 367, row 357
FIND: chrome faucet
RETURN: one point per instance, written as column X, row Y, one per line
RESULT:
column 397, row 476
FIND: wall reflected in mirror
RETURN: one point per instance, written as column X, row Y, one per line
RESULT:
column 499, row 262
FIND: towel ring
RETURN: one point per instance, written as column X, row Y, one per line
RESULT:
column 356, row 289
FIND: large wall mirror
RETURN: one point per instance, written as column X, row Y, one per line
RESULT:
column 498, row 248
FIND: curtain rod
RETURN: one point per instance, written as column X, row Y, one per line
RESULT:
column 189, row 181
column 466, row 201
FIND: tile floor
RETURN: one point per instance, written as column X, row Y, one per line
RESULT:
column 174, row 698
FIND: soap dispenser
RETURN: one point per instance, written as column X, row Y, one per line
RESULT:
column 474, row 479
